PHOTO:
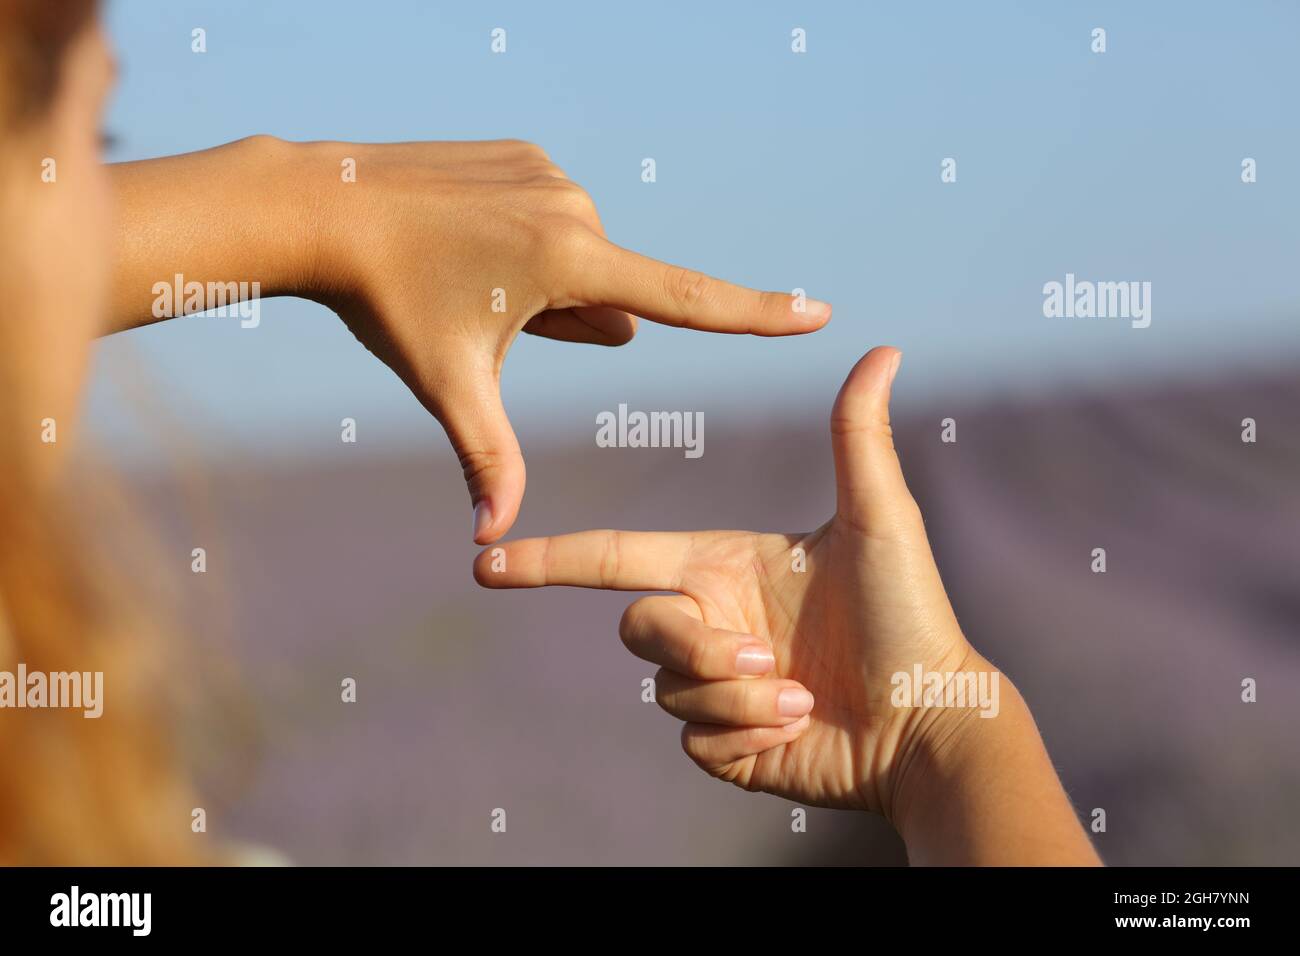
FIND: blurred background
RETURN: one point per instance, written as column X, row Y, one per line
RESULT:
column 779, row 170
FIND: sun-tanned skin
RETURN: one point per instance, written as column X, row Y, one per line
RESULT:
column 411, row 254
column 747, row 632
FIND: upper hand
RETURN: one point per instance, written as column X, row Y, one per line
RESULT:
column 440, row 253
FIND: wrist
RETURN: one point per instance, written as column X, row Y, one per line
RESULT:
column 945, row 743
column 330, row 212
column 288, row 204
column 982, row 791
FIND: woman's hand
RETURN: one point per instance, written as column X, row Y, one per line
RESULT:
column 441, row 253
column 791, row 657
column 765, row 623
column 436, row 255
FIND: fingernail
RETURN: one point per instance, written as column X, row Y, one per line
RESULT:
column 816, row 308
column 482, row 517
column 893, row 369
column 755, row 659
column 794, row 702
column 798, row 725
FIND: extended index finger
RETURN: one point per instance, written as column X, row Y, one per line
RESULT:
column 611, row 560
column 672, row 295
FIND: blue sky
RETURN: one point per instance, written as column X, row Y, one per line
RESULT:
column 779, row 170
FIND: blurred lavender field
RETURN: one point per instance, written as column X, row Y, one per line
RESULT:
column 358, row 565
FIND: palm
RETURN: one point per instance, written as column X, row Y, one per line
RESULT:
column 836, row 628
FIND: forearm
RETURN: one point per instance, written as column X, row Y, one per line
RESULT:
column 242, row 215
column 982, row 791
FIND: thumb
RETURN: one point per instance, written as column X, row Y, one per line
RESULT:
column 475, row 420
column 871, row 493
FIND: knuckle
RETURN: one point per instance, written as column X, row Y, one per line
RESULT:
column 776, row 304
column 743, row 698
column 880, row 432
column 261, row 141
column 475, row 463
column 696, row 744
column 568, row 241
column 563, row 202
column 734, row 771
column 610, row 559
column 532, row 150
column 666, row 692
column 696, row 657
column 570, row 196
column 692, row 745
column 686, row 285
column 631, row 626
column 753, row 739
column 560, row 247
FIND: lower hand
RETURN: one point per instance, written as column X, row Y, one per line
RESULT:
column 783, row 675
column 791, row 658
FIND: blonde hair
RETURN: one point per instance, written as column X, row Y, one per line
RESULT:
column 73, row 790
